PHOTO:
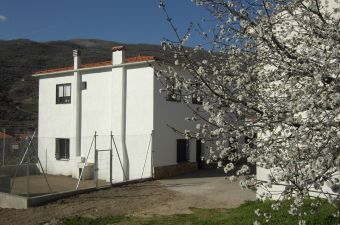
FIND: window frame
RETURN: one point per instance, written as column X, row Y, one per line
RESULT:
column 172, row 95
column 84, row 85
column 64, row 99
column 194, row 99
column 62, row 154
column 195, row 95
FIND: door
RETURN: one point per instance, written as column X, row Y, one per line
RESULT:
column 199, row 154
column 182, row 150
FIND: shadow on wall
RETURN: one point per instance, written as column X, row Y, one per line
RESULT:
column 211, row 170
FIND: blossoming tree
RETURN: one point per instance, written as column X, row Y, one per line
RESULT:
column 267, row 76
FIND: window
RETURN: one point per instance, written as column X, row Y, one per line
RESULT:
column 172, row 94
column 62, row 148
column 182, row 150
column 63, row 94
column 83, row 85
column 196, row 98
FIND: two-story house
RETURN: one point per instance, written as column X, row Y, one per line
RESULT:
column 120, row 96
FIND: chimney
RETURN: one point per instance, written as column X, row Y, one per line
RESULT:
column 76, row 59
column 118, row 55
column 77, row 101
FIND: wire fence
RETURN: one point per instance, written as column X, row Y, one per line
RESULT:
column 12, row 148
column 42, row 165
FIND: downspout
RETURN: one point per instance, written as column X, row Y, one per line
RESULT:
column 77, row 104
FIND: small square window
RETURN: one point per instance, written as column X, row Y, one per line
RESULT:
column 83, row 85
column 63, row 95
column 62, row 148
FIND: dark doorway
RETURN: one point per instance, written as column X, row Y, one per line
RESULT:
column 199, row 154
column 182, row 150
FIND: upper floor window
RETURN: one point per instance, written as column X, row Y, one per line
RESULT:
column 196, row 98
column 171, row 93
column 63, row 94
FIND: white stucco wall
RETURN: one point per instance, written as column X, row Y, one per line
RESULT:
column 96, row 117
column 139, row 120
column 96, row 104
column 173, row 114
column 55, row 121
column 101, row 112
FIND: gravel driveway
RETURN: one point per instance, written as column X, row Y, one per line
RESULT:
column 204, row 189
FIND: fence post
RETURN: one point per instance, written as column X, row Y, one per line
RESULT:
column 28, row 172
column 46, row 160
column 152, row 152
column 95, row 159
column 111, row 158
column 4, row 146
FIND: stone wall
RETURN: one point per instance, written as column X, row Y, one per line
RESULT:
column 174, row 170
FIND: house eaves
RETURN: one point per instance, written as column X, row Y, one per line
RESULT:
column 130, row 62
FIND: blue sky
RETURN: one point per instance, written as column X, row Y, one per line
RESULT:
column 128, row 21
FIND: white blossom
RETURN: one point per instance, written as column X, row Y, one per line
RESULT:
column 258, row 212
column 232, row 178
column 302, row 222
column 270, row 90
column 256, row 223
column 228, row 167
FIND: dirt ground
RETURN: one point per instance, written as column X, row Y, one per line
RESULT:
column 38, row 184
column 169, row 196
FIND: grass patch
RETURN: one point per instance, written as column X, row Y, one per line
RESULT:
column 245, row 213
column 77, row 220
column 242, row 215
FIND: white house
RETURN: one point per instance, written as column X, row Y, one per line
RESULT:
column 119, row 96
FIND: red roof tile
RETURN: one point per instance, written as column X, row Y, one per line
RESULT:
column 54, row 70
column 139, row 59
column 98, row 64
column 4, row 135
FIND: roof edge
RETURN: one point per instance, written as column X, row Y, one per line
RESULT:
column 67, row 70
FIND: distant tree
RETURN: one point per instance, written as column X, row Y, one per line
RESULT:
column 268, row 78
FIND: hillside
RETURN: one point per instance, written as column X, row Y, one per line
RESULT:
column 20, row 58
